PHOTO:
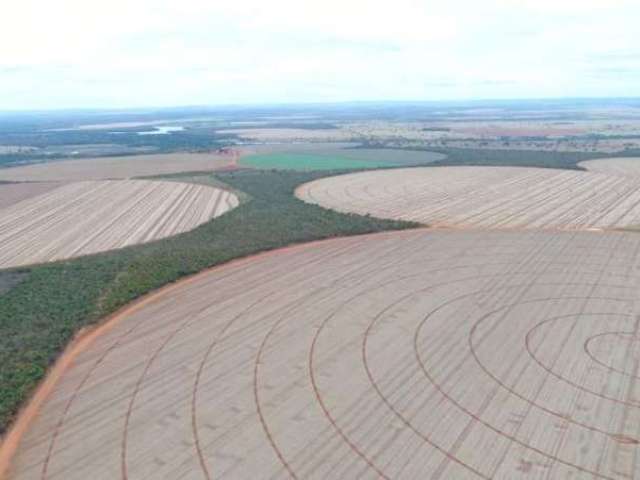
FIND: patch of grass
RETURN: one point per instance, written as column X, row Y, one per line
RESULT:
column 40, row 315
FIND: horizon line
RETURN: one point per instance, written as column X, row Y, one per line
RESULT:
column 268, row 104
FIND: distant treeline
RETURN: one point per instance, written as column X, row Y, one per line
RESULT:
column 287, row 125
column 500, row 158
column 186, row 140
column 195, row 138
column 518, row 158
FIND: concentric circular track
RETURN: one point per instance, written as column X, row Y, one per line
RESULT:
column 504, row 198
column 408, row 355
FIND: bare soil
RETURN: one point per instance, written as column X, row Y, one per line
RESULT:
column 420, row 354
column 11, row 193
column 485, row 197
column 104, row 168
column 623, row 166
column 89, row 217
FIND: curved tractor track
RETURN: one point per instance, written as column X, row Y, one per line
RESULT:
column 408, row 355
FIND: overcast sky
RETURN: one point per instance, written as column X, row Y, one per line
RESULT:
column 121, row 53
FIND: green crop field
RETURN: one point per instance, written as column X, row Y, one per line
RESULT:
column 305, row 161
column 336, row 159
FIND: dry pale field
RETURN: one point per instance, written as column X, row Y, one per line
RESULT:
column 485, row 197
column 430, row 355
column 11, row 193
column 89, row 217
column 294, row 135
column 105, row 168
column 316, row 147
column 624, row 166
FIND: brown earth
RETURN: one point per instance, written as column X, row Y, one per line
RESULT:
column 11, row 193
column 485, row 197
column 88, row 217
column 622, row 166
column 424, row 354
column 104, row 168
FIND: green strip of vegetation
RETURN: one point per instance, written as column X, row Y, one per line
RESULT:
column 40, row 315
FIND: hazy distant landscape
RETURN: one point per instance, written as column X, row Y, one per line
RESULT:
column 593, row 127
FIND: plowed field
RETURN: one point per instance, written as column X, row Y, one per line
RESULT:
column 89, row 217
column 11, row 193
column 624, row 166
column 108, row 168
column 435, row 355
column 485, row 197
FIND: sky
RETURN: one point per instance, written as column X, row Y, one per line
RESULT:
column 124, row 53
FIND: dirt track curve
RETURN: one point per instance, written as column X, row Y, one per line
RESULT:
column 424, row 354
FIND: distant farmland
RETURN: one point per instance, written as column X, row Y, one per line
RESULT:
column 106, row 168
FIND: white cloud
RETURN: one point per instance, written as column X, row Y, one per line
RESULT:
column 73, row 53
